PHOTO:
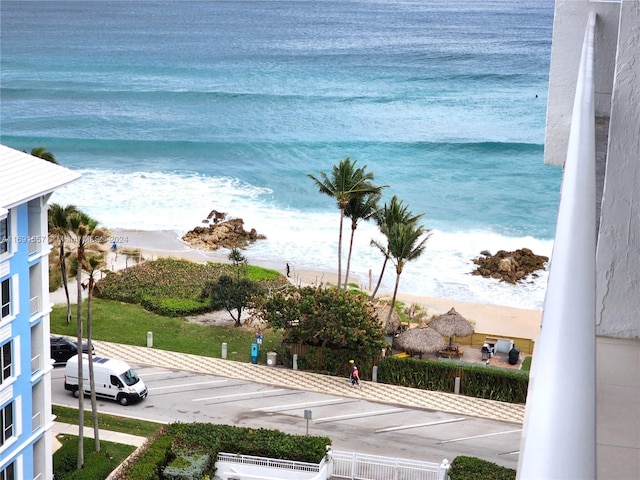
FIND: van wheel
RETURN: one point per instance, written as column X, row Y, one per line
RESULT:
column 123, row 400
column 76, row 393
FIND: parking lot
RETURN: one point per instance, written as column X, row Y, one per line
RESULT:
column 351, row 423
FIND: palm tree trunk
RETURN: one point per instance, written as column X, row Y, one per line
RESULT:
column 340, row 249
column 393, row 299
column 346, row 274
column 65, row 283
column 92, row 383
column 80, row 462
column 384, row 265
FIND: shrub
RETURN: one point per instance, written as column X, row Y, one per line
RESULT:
column 187, row 467
column 477, row 381
column 471, row 468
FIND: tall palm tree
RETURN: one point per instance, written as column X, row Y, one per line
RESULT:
column 44, row 154
column 58, row 219
column 81, row 227
column 94, row 262
column 392, row 213
column 405, row 245
column 361, row 207
column 345, row 182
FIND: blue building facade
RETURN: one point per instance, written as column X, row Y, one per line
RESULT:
column 26, row 422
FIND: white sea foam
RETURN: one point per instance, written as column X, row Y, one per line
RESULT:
column 305, row 239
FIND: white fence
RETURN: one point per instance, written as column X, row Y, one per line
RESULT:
column 358, row 466
column 337, row 465
column 244, row 467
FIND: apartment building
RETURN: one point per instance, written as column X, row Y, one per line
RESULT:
column 26, row 422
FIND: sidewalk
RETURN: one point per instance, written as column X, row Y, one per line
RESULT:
column 107, row 435
column 299, row 380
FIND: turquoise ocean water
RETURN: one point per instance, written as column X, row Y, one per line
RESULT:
column 170, row 109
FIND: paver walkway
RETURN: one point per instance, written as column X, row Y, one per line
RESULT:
column 299, row 380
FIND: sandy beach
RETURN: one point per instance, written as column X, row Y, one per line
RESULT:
column 490, row 319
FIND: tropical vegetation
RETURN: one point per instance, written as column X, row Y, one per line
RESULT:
column 345, row 183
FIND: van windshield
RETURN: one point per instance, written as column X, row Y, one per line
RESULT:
column 130, row 377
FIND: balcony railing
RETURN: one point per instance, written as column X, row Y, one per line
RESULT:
column 559, row 431
column 35, row 304
column 36, row 421
column 36, row 364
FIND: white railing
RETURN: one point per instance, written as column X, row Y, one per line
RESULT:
column 559, row 432
column 358, row 466
column 34, row 305
column 36, row 421
column 36, row 364
column 230, row 466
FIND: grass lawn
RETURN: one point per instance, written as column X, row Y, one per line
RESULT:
column 119, row 322
column 97, row 466
column 114, row 423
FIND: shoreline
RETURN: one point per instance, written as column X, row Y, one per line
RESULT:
column 491, row 319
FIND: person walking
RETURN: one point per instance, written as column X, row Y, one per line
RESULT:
column 354, row 375
column 288, row 270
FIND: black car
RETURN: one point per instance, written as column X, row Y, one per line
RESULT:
column 62, row 349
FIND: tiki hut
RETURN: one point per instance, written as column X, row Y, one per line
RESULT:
column 452, row 324
column 420, row 340
column 382, row 312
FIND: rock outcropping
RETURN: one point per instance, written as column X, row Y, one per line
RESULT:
column 222, row 233
column 509, row 267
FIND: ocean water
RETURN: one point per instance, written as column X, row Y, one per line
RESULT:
column 170, row 109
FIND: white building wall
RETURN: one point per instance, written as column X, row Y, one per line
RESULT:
column 569, row 24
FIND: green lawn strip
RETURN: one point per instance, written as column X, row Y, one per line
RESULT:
column 97, row 466
column 114, row 423
column 128, row 324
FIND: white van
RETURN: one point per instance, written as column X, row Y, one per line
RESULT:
column 113, row 379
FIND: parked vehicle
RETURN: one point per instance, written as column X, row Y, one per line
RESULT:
column 63, row 348
column 113, row 379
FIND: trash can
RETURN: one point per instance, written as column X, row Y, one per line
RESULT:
column 254, row 353
column 272, row 358
column 514, row 356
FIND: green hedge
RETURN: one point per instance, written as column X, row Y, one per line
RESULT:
column 191, row 449
column 478, row 381
column 471, row 468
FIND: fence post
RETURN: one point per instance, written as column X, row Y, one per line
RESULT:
column 374, row 374
column 353, row 465
column 295, row 361
column 443, row 470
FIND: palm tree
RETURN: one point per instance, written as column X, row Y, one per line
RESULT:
column 44, row 154
column 58, row 218
column 346, row 182
column 361, row 207
column 395, row 212
column 405, row 245
column 81, row 227
column 92, row 264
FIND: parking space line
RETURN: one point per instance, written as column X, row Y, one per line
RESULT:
column 293, row 406
column 418, row 425
column 246, row 394
column 183, row 385
column 480, row 436
column 358, row 415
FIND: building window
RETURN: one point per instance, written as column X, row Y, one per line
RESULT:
column 6, row 423
column 9, row 473
column 4, row 235
column 5, row 362
column 5, row 299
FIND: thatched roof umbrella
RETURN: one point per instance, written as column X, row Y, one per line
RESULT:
column 452, row 324
column 382, row 312
column 421, row 340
